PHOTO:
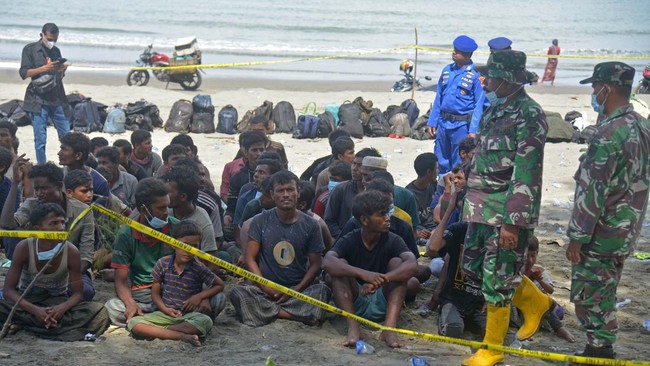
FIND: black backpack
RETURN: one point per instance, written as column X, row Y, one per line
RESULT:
column 13, row 111
column 350, row 119
column 412, row 110
column 284, row 117
column 266, row 109
column 142, row 115
column 227, row 120
column 326, row 125
column 202, row 103
column 86, row 117
column 202, row 122
column 377, row 124
column 180, row 117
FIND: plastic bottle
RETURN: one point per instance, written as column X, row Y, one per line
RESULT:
column 623, row 303
column 416, row 361
column 364, row 348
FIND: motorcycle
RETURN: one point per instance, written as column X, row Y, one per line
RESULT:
column 188, row 79
column 406, row 84
column 644, row 84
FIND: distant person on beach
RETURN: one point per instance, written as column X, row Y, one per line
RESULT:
column 610, row 203
column 551, row 64
column 48, row 101
column 458, row 106
column 285, row 246
column 370, row 268
column 54, row 308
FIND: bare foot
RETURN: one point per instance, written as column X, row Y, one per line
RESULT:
column 192, row 339
column 391, row 339
column 15, row 328
column 564, row 333
column 354, row 334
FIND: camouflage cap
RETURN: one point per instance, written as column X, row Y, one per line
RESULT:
column 510, row 66
column 613, row 72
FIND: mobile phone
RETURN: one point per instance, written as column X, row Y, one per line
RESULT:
column 62, row 61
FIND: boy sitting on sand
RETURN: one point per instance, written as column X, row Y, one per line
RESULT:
column 177, row 293
column 370, row 267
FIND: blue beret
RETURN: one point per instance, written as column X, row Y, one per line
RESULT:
column 499, row 43
column 465, row 44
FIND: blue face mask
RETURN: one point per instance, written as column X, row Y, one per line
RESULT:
column 493, row 98
column 155, row 222
column 332, row 184
column 391, row 210
column 257, row 195
column 48, row 254
column 598, row 108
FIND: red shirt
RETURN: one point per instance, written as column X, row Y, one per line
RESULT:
column 229, row 170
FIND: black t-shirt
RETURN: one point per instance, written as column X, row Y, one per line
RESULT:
column 350, row 247
column 398, row 227
column 423, row 199
column 458, row 290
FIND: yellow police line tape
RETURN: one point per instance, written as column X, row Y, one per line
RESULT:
column 253, row 277
column 47, row 235
column 362, row 53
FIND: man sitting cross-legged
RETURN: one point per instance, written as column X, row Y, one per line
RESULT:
column 370, row 267
column 47, row 311
column 284, row 246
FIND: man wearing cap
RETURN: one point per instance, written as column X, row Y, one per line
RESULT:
column 499, row 44
column 610, row 203
column 458, row 106
column 503, row 201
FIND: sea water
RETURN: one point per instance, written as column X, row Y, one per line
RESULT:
column 113, row 33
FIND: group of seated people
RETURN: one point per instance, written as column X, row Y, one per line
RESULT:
column 343, row 231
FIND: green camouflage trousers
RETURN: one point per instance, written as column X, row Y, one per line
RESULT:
column 498, row 270
column 593, row 291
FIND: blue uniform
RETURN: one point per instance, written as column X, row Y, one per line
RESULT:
column 456, row 111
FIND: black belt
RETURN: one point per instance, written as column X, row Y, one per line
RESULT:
column 456, row 117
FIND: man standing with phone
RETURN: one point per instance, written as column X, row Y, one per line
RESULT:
column 45, row 96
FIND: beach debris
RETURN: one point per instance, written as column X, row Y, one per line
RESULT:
column 559, row 230
column 4, row 355
column 646, row 224
column 623, row 303
column 541, row 231
column 556, row 185
column 557, row 202
column 558, row 242
column 269, row 361
column 516, row 343
column 419, row 151
column 645, row 329
column 642, row 255
column 568, row 205
column 268, row 347
column 417, row 361
column 399, row 151
column 364, row 348
column 385, row 156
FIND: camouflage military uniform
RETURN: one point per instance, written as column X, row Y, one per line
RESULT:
column 504, row 187
column 610, row 203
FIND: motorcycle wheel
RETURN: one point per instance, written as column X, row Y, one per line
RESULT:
column 137, row 78
column 643, row 88
column 193, row 82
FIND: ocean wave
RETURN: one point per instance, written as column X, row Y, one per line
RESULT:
column 34, row 29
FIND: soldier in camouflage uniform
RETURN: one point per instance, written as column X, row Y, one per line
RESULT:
column 610, row 203
column 503, row 200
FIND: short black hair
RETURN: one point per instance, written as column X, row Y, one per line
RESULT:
column 467, row 144
column 265, row 185
column 9, row 126
column 533, row 244
column 111, row 153
column 49, row 170
column 185, row 140
column 336, row 134
column 78, row 142
column 341, row 145
column 382, row 174
column 368, row 203
column 96, row 142
column 381, row 185
column 140, row 136
column 457, row 168
column 425, row 162
column 173, row 149
column 6, row 158
column 189, row 163
column 124, row 145
column 50, row 28
column 270, row 155
column 107, row 174
column 77, row 178
column 249, row 138
column 284, row 177
column 274, row 165
column 307, row 193
column 40, row 212
column 148, row 190
column 342, row 169
column 187, row 181
column 367, row 151
column 259, row 120
column 186, row 228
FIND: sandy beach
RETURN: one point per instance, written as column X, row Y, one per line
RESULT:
column 290, row 343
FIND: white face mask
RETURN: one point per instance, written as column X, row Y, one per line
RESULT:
column 48, row 44
column 48, row 254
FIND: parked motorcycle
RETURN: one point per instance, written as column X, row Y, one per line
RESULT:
column 406, row 84
column 644, row 84
column 189, row 79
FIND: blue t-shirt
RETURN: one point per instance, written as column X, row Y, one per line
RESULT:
column 5, row 187
column 284, row 248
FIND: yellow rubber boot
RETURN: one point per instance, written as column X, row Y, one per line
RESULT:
column 496, row 328
column 533, row 303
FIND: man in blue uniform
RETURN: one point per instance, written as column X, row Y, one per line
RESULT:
column 458, row 106
column 499, row 44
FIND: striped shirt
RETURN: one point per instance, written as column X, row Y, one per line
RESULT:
column 178, row 287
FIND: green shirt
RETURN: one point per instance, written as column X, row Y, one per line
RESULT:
column 138, row 253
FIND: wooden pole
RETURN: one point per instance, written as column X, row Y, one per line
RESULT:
column 415, row 69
